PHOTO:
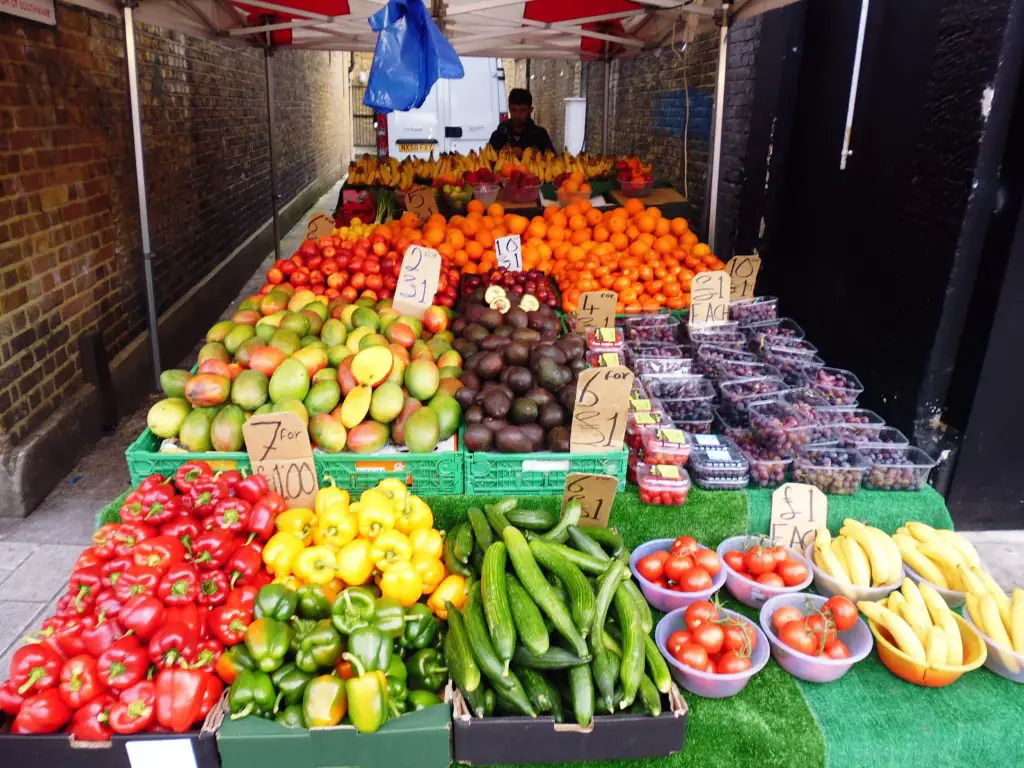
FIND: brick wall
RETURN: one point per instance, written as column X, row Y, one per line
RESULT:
column 69, row 238
column 551, row 82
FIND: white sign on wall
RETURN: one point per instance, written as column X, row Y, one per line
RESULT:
column 33, row 10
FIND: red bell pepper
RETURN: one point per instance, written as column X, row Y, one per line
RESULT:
column 188, row 615
column 45, row 712
column 135, row 709
column 213, row 548
column 80, row 682
column 244, row 564
column 143, row 615
column 47, row 634
column 231, row 478
column 131, row 507
column 253, row 488
column 228, row 624
column 211, row 695
column 68, row 637
column 180, row 585
column 137, row 580
column 191, row 472
column 231, row 515
column 159, row 552
column 35, row 667
column 100, row 632
column 124, row 663
column 213, row 588
column 185, row 529
column 90, row 556
column 107, row 602
column 172, row 643
column 208, row 653
column 243, row 597
column 66, row 608
column 130, row 534
column 104, row 539
column 150, row 482
column 155, row 504
column 92, row 721
column 262, row 516
column 112, row 569
column 10, row 699
column 179, row 697
column 83, row 586
column 205, row 494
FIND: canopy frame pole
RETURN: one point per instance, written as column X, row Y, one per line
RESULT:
column 127, row 11
column 851, row 106
column 716, row 155
column 268, row 51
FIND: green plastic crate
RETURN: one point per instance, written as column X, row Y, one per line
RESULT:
column 431, row 474
column 537, row 474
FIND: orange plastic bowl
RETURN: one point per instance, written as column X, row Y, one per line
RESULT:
column 935, row 676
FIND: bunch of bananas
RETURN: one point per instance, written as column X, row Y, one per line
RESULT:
column 941, row 557
column 921, row 624
column 998, row 615
column 861, row 556
column 371, row 171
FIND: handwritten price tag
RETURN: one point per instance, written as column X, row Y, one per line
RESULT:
column 509, row 252
column 743, row 276
column 417, row 281
column 599, row 416
column 596, row 494
column 422, row 201
column 596, row 310
column 278, row 447
column 798, row 512
column 320, row 225
column 709, row 293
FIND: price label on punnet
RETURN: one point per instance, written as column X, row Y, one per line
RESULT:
column 417, row 280
column 279, row 449
column 509, row 252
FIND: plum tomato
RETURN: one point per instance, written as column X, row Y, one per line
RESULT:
column 837, row 650
column 652, row 567
column 695, row 580
column 770, row 580
column 734, row 559
column 698, row 612
column 732, row 663
column 759, row 560
column 784, row 615
column 677, row 640
column 676, row 566
column 739, row 637
column 842, row 611
column 694, row 656
column 792, row 571
column 709, row 635
column 684, row 545
column 708, row 560
column 797, row 636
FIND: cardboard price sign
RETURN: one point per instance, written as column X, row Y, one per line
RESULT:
column 320, row 225
column 743, row 276
column 596, row 310
column 417, row 281
column 596, row 494
column 599, row 416
column 278, row 447
column 421, row 201
column 709, row 295
column 509, row 252
column 798, row 512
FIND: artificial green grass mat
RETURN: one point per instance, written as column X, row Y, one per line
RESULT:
column 887, row 510
column 112, row 512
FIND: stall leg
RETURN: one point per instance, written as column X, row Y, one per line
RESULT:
column 716, row 152
column 140, row 179
column 267, row 53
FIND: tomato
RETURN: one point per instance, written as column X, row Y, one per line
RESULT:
column 842, row 610
column 770, row 580
column 695, row 580
column 759, row 560
column 739, row 637
column 778, row 553
column 792, row 571
column 676, row 566
column 685, row 545
column 709, row 635
column 837, row 650
column 698, row 612
column 784, row 615
column 651, row 567
column 734, row 559
column 733, row 663
column 662, row 583
column 677, row 640
column 820, row 628
column 708, row 560
column 693, row 656
column 797, row 636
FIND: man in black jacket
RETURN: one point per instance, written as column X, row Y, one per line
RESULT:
column 519, row 131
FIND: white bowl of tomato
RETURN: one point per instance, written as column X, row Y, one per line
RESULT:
column 756, row 570
column 676, row 572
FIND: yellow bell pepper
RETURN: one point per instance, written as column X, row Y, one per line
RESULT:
column 394, row 489
column 332, row 588
column 452, row 589
column 335, row 527
column 430, row 569
column 280, row 551
column 414, row 515
column 401, row 582
column 374, row 518
column 353, row 564
column 299, row 521
column 288, row 581
column 315, row 565
column 390, row 547
column 427, row 542
column 330, row 496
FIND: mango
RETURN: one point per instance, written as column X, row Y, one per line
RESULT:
column 293, row 406
column 398, row 372
column 250, row 390
column 372, row 340
column 219, row 331
column 345, row 378
column 401, row 334
column 346, row 316
column 251, row 302
column 387, row 316
column 318, row 308
column 449, row 414
column 244, row 352
column 289, row 382
column 325, row 374
column 208, row 389
column 336, row 354
column 246, row 316
column 294, row 321
column 286, row 340
column 216, row 366
column 422, row 431
column 364, row 317
column 354, row 337
column 323, row 397
column 313, row 358
column 449, row 358
column 372, row 366
column 333, row 333
column 286, row 288
column 449, row 386
column 356, row 406
column 239, row 334
column 387, row 402
column 410, row 407
column 166, row 416
column 437, row 348
column 311, row 341
column 194, row 434
column 327, row 433
column 300, row 299
column 422, row 379
column 273, row 320
column 265, row 332
column 173, row 382
column 266, row 360
column 226, row 429
column 449, row 372
column 316, row 323
column 275, row 301
column 400, row 352
column 413, row 322
column 214, row 350
column 368, row 437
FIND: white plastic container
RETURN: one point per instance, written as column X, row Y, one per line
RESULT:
column 748, row 591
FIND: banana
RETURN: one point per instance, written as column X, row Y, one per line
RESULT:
column 917, row 617
column 954, row 643
column 840, row 552
column 1002, row 599
column 856, row 561
column 895, row 558
column 993, row 627
column 921, row 531
column 937, row 650
column 895, row 601
column 913, row 594
column 902, row 634
column 947, row 559
column 973, row 605
column 1017, row 620
column 827, row 560
column 962, row 545
column 872, row 547
column 913, row 557
column 937, row 608
column 971, row 581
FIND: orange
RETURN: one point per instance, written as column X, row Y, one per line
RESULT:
column 455, row 238
column 495, row 210
column 573, row 209
column 434, row 235
column 437, row 220
column 538, row 227
column 634, row 206
column 645, row 222
column 689, row 239
column 593, row 216
column 665, row 244
column 487, row 223
column 619, row 241
column 474, row 250
column 679, row 226
column 700, row 250
column 632, row 232
column 617, row 223
column 638, row 248
column 577, row 222
column 559, row 219
column 601, row 234
column 556, row 234
column 662, row 227
column 475, row 206
column 516, row 224
column 580, row 237
column 485, row 238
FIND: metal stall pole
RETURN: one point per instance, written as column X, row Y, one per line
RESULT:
column 716, row 156
column 140, row 179
column 268, row 51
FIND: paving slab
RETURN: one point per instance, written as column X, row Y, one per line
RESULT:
column 13, row 554
column 15, row 619
column 61, row 521
column 41, row 575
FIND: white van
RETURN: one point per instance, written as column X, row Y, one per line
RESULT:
column 458, row 115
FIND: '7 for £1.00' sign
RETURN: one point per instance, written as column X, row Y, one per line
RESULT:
column 278, row 447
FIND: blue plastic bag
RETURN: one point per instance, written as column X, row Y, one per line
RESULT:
column 410, row 56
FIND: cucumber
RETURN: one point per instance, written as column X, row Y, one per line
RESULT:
column 646, row 618
column 584, row 543
column 481, row 528
column 555, row 658
column 581, row 594
column 543, row 594
column 462, row 535
column 527, row 618
column 632, row 669
column 609, row 538
column 571, row 516
column 611, row 640
column 477, row 700
column 536, row 688
column 582, row 686
column 496, row 518
column 649, row 696
column 451, row 562
column 556, row 702
column 515, row 702
column 585, row 562
column 606, row 671
column 494, row 591
column 458, row 653
column 538, row 520
column 480, row 641
column 657, row 668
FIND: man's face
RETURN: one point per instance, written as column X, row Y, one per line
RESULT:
column 518, row 114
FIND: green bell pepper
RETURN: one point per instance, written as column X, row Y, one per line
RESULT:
column 252, row 693
column 420, row 627
column 324, row 702
column 353, row 609
column 290, row 682
column 299, row 628
column 397, row 669
column 313, row 603
column 291, row 717
column 388, row 617
column 418, row 700
column 275, row 601
column 371, row 647
column 234, row 661
column 427, row 670
column 367, row 695
column 268, row 641
column 319, row 647
column 397, row 675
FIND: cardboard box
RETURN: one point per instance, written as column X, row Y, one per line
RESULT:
column 482, row 741
column 415, row 740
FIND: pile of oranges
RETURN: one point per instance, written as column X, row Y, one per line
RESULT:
column 648, row 259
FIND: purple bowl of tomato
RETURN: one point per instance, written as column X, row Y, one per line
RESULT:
column 696, row 582
column 765, row 561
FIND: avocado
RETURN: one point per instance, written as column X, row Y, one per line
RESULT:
column 491, row 319
column 512, row 440
column 466, row 397
column 567, row 397
column 477, row 437
column 496, row 404
column 464, row 347
column 516, row 318
column 475, row 333
column 504, row 332
column 525, row 334
column 540, row 396
column 493, row 342
column 551, row 415
column 516, row 353
column 558, row 440
column 474, row 414
column 470, row 380
column 519, row 379
column 535, row 434
column 523, row 411
column 489, row 365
